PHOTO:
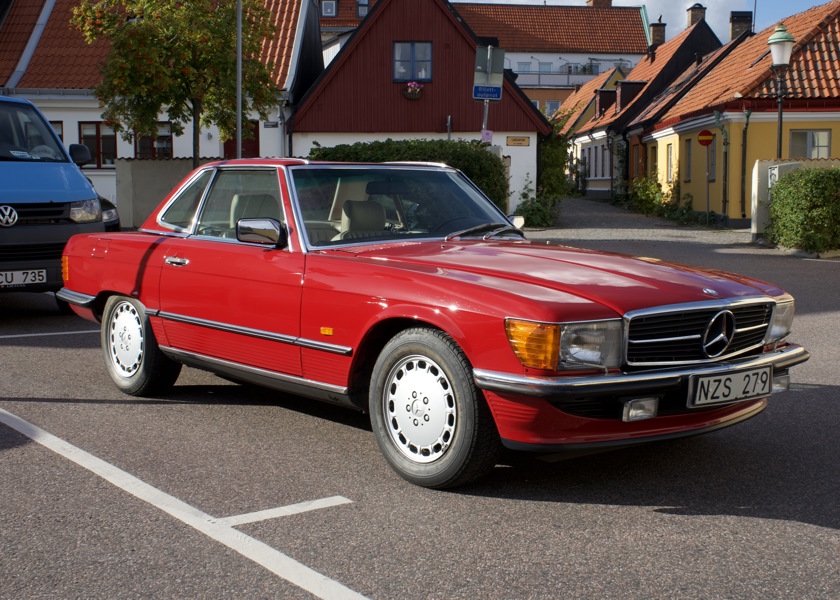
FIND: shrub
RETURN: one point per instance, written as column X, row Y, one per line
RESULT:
column 486, row 170
column 805, row 210
column 539, row 210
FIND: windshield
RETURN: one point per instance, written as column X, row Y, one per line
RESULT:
column 25, row 136
column 349, row 204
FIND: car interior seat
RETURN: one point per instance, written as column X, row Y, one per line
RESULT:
column 361, row 219
column 254, row 206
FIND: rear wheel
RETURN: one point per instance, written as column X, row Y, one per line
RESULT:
column 132, row 356
column 431, row 423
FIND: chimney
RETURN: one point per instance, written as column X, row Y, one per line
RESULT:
column 657, row 32
column 696, row 13
column 739, row 22
column 599, row 3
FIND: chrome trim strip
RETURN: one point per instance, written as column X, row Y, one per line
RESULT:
column 76, row 298
column 723, row 303
column 289, row 379
column 257, row 333
column 625, row 383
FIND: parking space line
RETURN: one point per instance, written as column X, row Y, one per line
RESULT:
column 283, row 511
column 264, row 555
column 30, row 335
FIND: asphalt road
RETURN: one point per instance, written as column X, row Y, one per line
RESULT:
column 107, row 496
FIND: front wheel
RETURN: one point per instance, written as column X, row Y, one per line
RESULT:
column 431, row 423
column 132, row 356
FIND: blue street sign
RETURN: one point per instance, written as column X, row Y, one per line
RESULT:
column 487, row 92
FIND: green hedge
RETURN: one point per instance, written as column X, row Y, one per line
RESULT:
column 805, row 210
column 485, row 169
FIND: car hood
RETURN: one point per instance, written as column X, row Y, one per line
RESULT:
column 30, row 182
column 619, row 282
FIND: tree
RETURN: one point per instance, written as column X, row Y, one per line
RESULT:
column 179, row 58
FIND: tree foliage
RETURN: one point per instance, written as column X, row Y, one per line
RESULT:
column 178, row 58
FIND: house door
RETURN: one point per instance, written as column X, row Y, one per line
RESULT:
column 250, row 147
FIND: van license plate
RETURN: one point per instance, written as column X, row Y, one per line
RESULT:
column 19, row 278
column 731, row 387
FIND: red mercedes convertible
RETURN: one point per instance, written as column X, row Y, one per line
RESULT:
column 402, row 291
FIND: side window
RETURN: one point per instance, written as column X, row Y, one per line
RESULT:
column 156, row 147
column 102, row 141
column 180, row 213
column 239, row 194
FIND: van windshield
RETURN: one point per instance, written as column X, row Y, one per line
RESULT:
column 25, row 136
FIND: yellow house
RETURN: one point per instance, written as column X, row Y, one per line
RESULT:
column 733, row 107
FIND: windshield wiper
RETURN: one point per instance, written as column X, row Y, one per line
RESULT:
column 494, row 230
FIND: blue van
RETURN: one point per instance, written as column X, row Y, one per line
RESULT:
column 44, row 199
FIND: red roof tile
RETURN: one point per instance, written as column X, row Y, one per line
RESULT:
column 580, row 100
column 278, row 52
column 745, row 73
column 63, row 60
column 536, row 28
column 15, row 35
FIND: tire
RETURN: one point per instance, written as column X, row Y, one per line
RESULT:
column 430, row 421
column 132, row 357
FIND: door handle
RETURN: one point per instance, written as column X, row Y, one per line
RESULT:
column 176, row 261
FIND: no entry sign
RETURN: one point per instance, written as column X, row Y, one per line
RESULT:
column 705, row 137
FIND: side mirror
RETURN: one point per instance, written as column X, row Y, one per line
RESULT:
column 267, row 232
column 80, row 154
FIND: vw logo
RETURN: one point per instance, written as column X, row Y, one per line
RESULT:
column 8, row 216
column 719, row 334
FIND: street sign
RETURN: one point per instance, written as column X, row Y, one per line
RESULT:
column 487, row 92
column 489, row 73
column 705, row 137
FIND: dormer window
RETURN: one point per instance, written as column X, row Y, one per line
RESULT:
column 362, row 7
column 412, row 61
column 329, row 8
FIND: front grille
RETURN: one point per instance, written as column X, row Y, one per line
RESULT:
column 676, row 336
column 43, row 213
column 31, row 252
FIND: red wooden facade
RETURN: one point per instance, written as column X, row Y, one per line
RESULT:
column 357, row 92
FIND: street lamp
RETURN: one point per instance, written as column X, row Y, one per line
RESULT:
column 781, row 47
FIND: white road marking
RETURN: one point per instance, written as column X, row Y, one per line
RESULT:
column 217, row 529
column 282, row 511
column 29, row 335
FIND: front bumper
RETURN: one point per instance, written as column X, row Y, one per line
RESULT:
column 548, row 414
column 622, row 384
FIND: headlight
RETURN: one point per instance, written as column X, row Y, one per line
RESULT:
column 110, row 214
column 595, row 343
column 553, row 346
column 86, row 211
column 781, row 323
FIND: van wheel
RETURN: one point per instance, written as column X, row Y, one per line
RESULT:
column 132, row 356
column 431, row 423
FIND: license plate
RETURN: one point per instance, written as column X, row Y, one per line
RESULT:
column 19, row 278
column 731, row 387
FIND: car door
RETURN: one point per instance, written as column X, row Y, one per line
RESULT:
column 225, row 300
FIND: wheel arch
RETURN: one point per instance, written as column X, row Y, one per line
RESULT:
column 371, row 346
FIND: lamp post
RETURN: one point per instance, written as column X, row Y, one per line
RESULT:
column 781, row 47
